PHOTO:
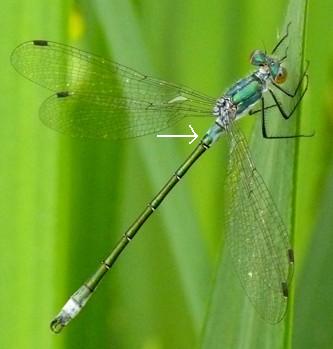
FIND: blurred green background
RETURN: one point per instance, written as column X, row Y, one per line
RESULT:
column 64, row 202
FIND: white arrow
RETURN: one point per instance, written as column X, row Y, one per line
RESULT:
column 193, row 135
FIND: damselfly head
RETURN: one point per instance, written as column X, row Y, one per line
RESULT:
column 269, row 65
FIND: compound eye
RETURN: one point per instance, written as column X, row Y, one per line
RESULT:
column 281, row 76
column 258, row 58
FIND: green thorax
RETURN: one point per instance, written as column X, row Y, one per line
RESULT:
column 246, row 92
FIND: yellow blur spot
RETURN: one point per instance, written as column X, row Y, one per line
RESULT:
column 152, row 342
column 76, row 25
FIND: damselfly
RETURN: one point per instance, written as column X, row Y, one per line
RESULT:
column 97, row 98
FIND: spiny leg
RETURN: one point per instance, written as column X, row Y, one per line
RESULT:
column 263, row 123
column 252, row 112
column 282, row 39
column 287, row 115
column 285, row 55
